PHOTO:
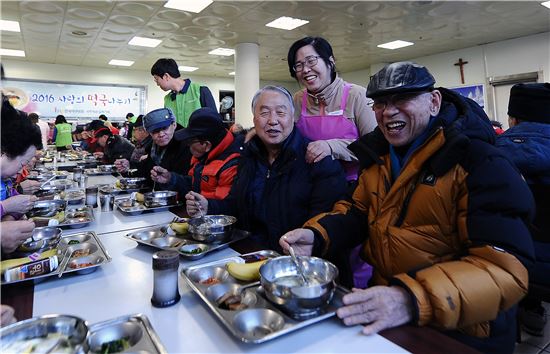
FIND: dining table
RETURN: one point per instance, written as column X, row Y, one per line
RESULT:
column 124, row 286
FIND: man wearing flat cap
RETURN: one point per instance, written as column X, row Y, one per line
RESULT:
column 527, row 144
column 114, row 146
column 215, row 151
column 166, row 152
column 441, row 214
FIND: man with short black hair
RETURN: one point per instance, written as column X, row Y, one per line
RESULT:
column 90, row 142
column 185, row 96
column 442, row 216
column 215, row 153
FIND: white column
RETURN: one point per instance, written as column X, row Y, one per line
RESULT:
column 247, row 81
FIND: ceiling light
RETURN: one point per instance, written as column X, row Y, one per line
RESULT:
column 12, row 26
column 79, row 33
column 287, row 23
column 222, row 51
column 546, row 4
column 145, row 42
column 188, row 5
column 12, row 52
column 187, row 68
column 121, row 62
column 232, row 73
column 395, row 44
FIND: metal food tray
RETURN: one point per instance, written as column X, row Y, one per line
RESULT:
column 140, row 208
column 99, row 257
column 142, row 336
column 97, row 172
column 156, row 237
column 114, row 190
column 234, row 321
column 77, row 222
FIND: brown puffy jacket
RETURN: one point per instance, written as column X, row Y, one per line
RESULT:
column 451, row 228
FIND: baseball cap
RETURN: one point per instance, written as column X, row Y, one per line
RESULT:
column 158, row 119
column 204, row 123
column 400, row 77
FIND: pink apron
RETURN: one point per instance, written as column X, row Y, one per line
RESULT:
column 337, row 127
column 330, row 127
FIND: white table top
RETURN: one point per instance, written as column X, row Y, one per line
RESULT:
column 124, row 287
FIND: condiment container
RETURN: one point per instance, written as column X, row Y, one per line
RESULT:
column 165, row 278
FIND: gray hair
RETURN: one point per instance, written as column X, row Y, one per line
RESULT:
column 273, row 88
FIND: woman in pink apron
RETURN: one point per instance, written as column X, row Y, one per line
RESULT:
column 332, row 113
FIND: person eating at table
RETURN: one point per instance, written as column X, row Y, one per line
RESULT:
column 442, row 215
column 142, row 141
column 19, row 141
column 275, row 189
column 216, row 152
column 114, row 146
column 166, row 152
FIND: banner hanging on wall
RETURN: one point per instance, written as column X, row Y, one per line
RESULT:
column 50, row 99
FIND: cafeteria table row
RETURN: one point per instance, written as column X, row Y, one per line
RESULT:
column 124, row 287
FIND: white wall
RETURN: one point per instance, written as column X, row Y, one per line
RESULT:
column 514, row 56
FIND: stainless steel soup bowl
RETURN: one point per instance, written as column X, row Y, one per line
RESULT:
column 160, row 198
column 211, row 228
column 282, row 284
column 43, row 239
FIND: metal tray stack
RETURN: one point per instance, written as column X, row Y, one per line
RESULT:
column 260, row 320
column 184, row 244
column 128, row 206
column 86, row 241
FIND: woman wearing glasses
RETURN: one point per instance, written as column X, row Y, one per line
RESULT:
column 329, row 111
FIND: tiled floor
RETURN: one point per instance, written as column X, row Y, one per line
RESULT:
column 535, row 345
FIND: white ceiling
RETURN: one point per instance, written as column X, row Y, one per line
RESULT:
column 354, row 28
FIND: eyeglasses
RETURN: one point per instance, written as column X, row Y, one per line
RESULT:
column 397, row 100
column 309, row 61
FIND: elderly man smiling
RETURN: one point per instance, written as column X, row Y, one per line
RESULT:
column 442, row 216
column 275, row 189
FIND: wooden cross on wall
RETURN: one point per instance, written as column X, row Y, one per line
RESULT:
column 461, row 63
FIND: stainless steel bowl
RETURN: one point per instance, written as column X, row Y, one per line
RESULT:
column 47, row 208
column 73, row 332
column 43, row 239
column 134, row 182
column 284, row 287
column 159, row 199
column 211, row 228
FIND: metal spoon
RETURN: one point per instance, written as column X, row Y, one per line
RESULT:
column 298, row 265
column 64, row 262
column 47, row 181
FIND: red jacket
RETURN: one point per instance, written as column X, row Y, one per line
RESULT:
column 214, row 175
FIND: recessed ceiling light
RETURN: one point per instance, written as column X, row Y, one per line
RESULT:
column 546, row 4
column 121, row 62
column 287, row 23
column 12, row 52
column 187, row 68
column 145, row 42
column 232, row 73
column 222, row 51
column 188, row 5
column 395, row 44
column 12, row 26
column 79, row 33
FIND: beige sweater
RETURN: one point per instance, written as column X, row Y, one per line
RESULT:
column 357, row 110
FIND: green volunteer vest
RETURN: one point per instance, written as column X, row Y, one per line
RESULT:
column 63, row 137
column 133, row 119
column 184, row 104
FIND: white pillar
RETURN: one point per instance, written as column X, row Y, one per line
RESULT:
column 247, row 81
